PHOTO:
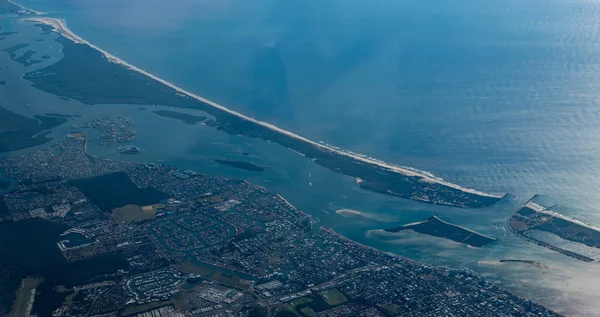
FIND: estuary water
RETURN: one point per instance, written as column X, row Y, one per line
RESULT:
column 500, row 96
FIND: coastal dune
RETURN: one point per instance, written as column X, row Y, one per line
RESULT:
column 422, row 177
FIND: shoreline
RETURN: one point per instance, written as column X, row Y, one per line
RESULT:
column 60, row 26
column 461, row 227
column 548, row 211
column 25, row 8
column 546, row 245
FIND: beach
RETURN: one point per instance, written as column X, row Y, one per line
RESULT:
column 61, row 26
column 466, row 165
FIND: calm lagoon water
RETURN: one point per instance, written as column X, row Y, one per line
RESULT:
column 501, row 96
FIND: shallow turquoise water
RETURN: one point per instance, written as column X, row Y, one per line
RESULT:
column 498, row 96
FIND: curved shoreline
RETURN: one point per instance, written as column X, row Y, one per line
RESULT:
column 60, row 26
column 25, row 8
column 535, row 207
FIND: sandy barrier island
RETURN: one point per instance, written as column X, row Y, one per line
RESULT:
column 60, row 26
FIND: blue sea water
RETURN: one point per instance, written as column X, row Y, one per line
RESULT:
column 501, row 96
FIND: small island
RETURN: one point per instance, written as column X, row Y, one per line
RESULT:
column 436, row 227
column 112, row 129
column 62, row 115
column 25, row 58
column 242, row 165
column 128, row 149
column 183, row 117
column 4, row 185
column 533, row 216
column 530, row 262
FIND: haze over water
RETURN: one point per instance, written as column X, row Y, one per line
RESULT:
column 500, row 96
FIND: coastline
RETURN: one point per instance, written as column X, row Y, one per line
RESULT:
column 25, row 8
column 535, row 208
column 61, row 27
column 461, row 227
column 448, row 231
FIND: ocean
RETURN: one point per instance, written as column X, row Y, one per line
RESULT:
column 500, row 96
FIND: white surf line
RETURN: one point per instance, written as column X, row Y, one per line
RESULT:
column 61, row 26
column 467, row 229
column 25, row 8
column 539, row 209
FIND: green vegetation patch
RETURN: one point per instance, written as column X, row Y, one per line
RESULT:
column 19, row 132
column 230, row 279
column 191, row 267
column 213, row 274
column 246, row 166
column 114, row 190
column 285, row 313
column 436, row 227
column 28, row 248
column 4, row 185
column 308, row 306
column 133, row 213
column 23, row 295
column 183, row 117
column 334, row 297
column 307, row 311
column 86, row 75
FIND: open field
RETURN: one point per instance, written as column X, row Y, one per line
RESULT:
column 134, row 213
column 334, row 297
column 136, row 309
column 213, row 273
column 23, row 297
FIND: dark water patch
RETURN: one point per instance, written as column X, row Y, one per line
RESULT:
column 115, row 190
column 183, row 117
column 75, row 239
column 48, row 299
column 13, row 49
column 38, row 40
column 4, row 185
column 242, row 165
column 4, row 211
column 7, row 184
column 26, row 248
column 62, row 115
column 2, row 82
column 19, row 132
column 4, row 34
column 45, row 57
column 26, row 60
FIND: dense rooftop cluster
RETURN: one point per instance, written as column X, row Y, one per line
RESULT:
column 213, row 246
